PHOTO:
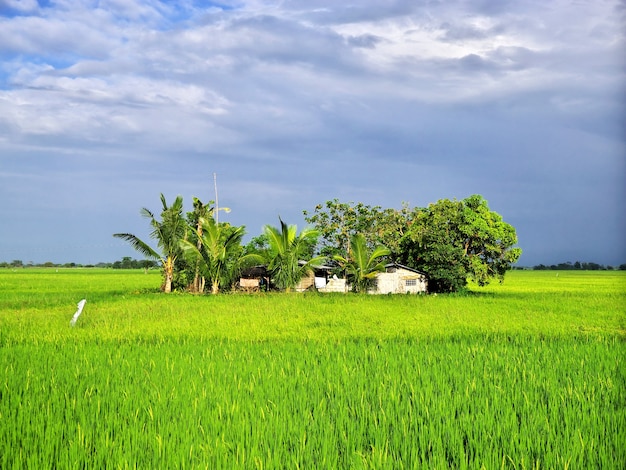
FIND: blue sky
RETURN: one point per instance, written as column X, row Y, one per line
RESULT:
column 106, row 104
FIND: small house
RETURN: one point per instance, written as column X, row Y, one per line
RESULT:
column 254, row 279
column 321, row 280
column 257, row 278
column 399, row 279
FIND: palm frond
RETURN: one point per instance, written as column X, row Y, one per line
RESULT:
column 146, row 213
column 378, row 252
column 138, row 245
column 274, row 239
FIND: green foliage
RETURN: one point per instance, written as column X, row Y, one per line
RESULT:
column 456, row 241
column 337, row 222
column 488, row 241
column 126, row 263
column 258, row 245
column 192, row 270
column 286, row 252
column 431, row 245
column 361, row 265
column 219, row 256
column 167, row 232
column 451, row 241
column 585, row 266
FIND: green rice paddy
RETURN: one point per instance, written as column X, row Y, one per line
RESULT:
column 528, row 374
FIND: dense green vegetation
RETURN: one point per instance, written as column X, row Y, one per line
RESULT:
column 452, row 242
column 578, row 266
column 529, row 374
column 362, row 266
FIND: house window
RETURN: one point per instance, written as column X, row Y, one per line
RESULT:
column 410, row 282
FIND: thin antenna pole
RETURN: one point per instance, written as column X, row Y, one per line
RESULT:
column 216, row 207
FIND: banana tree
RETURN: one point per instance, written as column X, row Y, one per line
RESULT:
column 361, row 265
column 217, row 252
column 167, row 232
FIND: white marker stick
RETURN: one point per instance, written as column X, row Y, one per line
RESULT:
column 80, row 306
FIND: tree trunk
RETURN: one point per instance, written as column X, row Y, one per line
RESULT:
column 196, row 281
column 169, row 275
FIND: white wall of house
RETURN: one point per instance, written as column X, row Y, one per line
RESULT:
column 334, row 284
column 397, row 281
column 401, row 281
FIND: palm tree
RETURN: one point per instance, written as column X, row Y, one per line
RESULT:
column 362, row 266
column 218, row 251
column 200, row 211
column 286, row 250
column 194, row 218
column 167, row 232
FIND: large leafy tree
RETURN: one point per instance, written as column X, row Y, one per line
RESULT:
column 167, row 232
column 363, row 264
column 488, row 241
column 217, row 251
column 337, row 222
column 456, row 241
column 287, row 252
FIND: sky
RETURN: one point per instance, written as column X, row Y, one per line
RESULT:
column 106, row 104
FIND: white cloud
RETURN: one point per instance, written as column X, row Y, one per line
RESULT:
column 297, row 101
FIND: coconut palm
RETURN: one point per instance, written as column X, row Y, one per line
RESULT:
column 167, row 232
column 217, row 252
column 286, row 252
column 194, row 220
column 361, row 265
column 200, row 211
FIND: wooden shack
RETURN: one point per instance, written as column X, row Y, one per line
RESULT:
column 254, row 279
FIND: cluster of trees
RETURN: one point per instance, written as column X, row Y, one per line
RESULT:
column 125, row 263
column 18, row 263
column 451, row 241
column 197, row 252
column 578, row 266
column 129, row 263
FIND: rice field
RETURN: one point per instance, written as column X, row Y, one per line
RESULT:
column 528, row 374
